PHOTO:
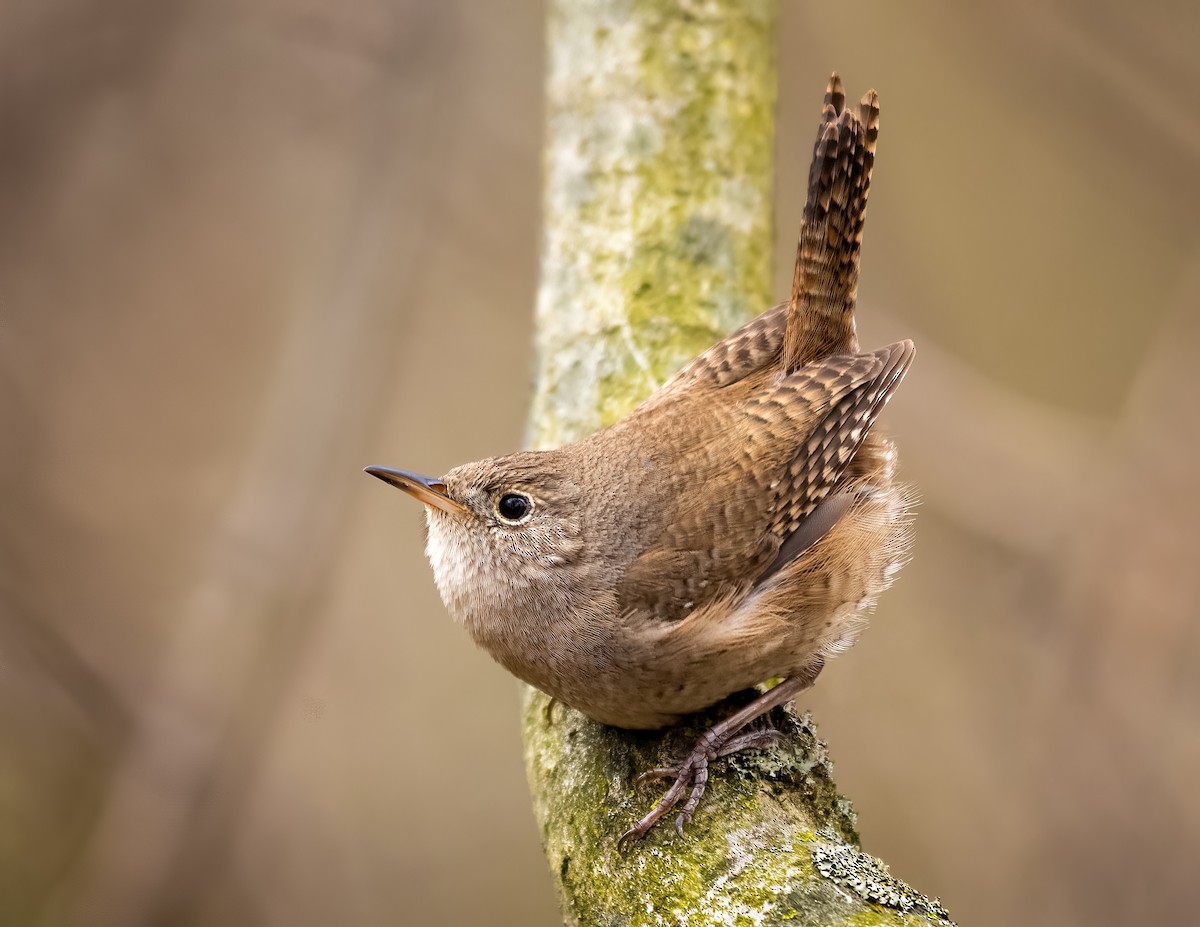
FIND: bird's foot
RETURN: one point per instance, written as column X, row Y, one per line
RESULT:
column 693, row 771
column 728, row 736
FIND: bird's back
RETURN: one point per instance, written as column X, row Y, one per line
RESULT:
column 777, row 519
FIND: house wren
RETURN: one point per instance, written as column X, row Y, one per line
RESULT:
column 736, row 527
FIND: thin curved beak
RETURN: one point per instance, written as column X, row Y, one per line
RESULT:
column 425, row 489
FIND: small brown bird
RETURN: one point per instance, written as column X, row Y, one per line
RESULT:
column 736, row 527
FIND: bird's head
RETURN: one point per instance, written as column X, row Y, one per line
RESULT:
column 502, row 532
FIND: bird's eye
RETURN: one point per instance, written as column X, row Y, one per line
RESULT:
column 513, row 506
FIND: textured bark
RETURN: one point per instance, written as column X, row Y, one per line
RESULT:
column 660, row 128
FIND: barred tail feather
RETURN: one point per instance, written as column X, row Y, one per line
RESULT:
column 825, row 284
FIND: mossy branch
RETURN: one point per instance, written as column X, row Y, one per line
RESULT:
column 660, row 129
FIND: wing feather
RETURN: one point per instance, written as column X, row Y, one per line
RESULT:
column 796, row 439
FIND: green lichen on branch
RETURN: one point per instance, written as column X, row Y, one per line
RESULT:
column 657, row 212
column 657, row 207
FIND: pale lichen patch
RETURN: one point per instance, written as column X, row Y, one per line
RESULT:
column 871, row 880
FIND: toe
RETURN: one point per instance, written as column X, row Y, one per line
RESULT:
column 661, row 772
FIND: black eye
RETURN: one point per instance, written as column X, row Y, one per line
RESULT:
column 513, row 506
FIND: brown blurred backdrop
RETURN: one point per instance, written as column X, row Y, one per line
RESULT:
column 248, row 247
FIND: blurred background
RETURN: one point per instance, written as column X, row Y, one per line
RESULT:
column 248, row 247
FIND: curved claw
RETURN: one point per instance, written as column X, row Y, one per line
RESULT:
column 639, row 830
column 628, row 839
column 665, row 804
